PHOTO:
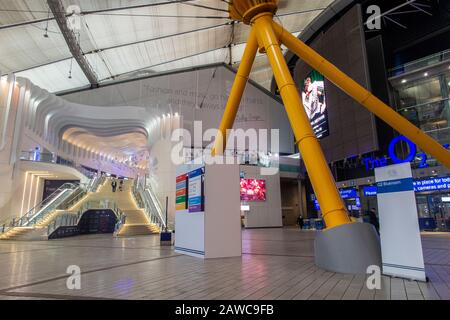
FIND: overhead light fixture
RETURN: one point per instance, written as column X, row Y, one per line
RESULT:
column 46, row 27
column 70, row 70
column 404, row 81
column 425, row 74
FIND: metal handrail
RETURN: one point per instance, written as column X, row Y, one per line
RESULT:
column 46, row 206
column 147, row 200
column 95, row 183
column 52, row 158
column 33, row 216
column 420, row 63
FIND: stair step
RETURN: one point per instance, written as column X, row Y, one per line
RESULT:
column 138, row 229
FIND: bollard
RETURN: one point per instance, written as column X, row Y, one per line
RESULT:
column 166, row 235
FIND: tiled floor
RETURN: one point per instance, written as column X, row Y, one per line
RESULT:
column 276, row 264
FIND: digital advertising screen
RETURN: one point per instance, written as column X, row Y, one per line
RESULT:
column 253, row 190
column 314, row 102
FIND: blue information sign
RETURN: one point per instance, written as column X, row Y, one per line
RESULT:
column 420, row 185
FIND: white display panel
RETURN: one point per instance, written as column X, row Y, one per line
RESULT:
column 216, row 231
column 401, row 245
column 189, row 233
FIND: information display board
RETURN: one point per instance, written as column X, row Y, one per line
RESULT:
column 196, row 190
column 181, row 192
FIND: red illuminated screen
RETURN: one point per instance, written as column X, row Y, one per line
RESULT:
column 253, row 190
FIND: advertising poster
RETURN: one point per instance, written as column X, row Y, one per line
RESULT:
column 195, row 190
column 181, row 193
column 314, row 102
column 51, row 186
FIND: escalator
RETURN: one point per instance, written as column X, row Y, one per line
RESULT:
column 32, row 225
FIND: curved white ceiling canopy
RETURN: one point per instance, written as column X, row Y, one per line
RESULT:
column 127, row 39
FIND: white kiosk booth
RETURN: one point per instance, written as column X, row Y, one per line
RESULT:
column 208, row 218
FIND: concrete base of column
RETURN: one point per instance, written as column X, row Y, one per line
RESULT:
column 348, row 248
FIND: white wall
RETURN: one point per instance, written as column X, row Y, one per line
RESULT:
column 26, row 186
column 8, row 111
column 162, row 176
column 264, row 214
column 222, row 212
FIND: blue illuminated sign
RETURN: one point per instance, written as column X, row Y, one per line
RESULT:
column 412, row 150
column 348, row 193
column 316, row 205
column 371, row 163
column 370, row 191
column 420, row 185
column 345, row 194
column 432, row 184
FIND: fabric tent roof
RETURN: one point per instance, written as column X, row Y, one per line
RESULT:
column 126, row 39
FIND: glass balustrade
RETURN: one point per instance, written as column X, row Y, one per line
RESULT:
column 69, row 219
column 149, row 202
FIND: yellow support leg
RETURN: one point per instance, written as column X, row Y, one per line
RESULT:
column 236, row 93
column 332, row 207
column 363, row 96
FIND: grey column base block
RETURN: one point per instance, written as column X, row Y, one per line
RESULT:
column 348, row 248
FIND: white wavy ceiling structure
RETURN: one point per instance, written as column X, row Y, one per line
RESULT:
column 127, row 39
column 116, row 132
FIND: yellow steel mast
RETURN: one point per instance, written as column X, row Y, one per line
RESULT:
column 268, row 36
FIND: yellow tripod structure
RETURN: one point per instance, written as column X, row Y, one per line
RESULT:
column 267, row 35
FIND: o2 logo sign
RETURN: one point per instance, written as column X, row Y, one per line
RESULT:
column 372, row 163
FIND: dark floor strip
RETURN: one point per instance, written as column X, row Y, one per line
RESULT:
column 3, row 291
column 277, row 255
column 50, row 296
column 29, row 250
column 155, row 247
column 287, row 241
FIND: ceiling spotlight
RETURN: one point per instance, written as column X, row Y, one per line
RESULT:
column 404, row 81
column 425, row 74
